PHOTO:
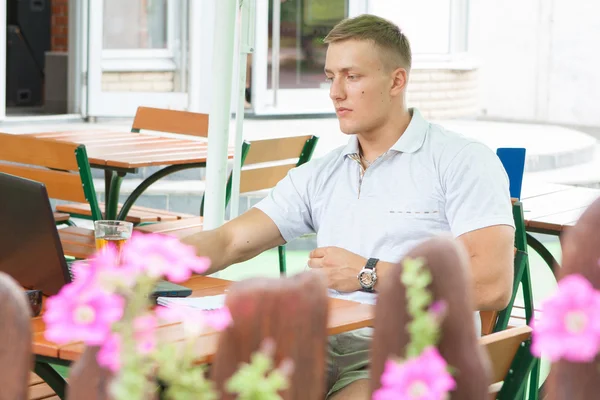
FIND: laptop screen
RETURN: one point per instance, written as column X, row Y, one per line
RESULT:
column 30, row 248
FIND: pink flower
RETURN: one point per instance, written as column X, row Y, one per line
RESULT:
column 421, row 378
column 570, row 325
column 162, row 255
column 145, row 327
column 109, row 355
column 194, row 320
column 104, row 270
column 439, row 310
column 79, row 313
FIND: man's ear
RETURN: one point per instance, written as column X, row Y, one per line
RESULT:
column 399, row 81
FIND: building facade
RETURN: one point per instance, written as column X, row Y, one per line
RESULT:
column 104, row 58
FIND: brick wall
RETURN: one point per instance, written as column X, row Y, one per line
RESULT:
column 60, row 25
column 442, row 93
column 137, row 81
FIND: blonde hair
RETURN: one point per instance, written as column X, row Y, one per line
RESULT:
column 385, row 34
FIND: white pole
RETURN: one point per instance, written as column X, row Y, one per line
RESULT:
column 246, row 41
column 218, row 122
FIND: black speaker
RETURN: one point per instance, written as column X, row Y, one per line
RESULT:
column 24, row 81
column 34, row 17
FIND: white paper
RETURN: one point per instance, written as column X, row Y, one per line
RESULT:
column 218, row 301
column 203, row 303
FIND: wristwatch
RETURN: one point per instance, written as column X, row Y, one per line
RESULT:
column 367, row 277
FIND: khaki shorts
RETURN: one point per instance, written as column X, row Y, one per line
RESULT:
column 348, row 358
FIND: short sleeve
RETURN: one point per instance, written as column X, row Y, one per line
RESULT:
column 477, row 190
column 288, row 203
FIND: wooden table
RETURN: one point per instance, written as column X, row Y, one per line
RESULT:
column 552, row 208
column 120, row 153
column 79, row 242
column 343, row 316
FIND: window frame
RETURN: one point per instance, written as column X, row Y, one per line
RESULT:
column 159, row 60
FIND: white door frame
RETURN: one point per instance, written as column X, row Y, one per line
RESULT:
column 117, row 104
column 289, row 101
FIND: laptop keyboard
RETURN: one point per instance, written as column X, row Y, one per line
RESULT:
column 69, row 263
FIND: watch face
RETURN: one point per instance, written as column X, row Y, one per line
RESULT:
column 366, row 279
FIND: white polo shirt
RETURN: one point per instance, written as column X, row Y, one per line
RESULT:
column 430, row 182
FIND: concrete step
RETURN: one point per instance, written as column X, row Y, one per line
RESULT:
column 582, row 174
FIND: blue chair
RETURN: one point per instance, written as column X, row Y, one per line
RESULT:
column 513, row 159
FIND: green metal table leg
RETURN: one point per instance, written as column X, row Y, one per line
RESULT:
column 542, row 251
column 137, row 192
column 112, row 200
column 108, row 174
column 52, row 378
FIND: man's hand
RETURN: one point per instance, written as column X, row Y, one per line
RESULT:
column 341, row 267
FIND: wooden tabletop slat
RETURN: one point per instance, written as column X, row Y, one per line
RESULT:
column 80, row 138
column 122, row 149
column 145, row 147
column 134, row 141
column 161, row 156
column 68, row 236
column 549, row 204
column 533, row 188
column 59, row 134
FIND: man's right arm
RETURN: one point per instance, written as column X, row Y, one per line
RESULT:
column 237, row 240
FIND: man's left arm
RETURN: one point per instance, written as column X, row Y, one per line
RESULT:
column 491, row 253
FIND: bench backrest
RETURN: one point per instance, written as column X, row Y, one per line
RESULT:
column 170, row 121
column 62, row 167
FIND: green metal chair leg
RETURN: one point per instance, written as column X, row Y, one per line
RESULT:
column 52, row 378
column 282, row 263
column 534, row 380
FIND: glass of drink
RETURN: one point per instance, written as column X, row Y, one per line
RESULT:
column 114, row 232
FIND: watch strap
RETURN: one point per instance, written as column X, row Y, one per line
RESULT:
column 371, row 262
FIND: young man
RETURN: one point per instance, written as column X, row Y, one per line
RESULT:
column 399, row 180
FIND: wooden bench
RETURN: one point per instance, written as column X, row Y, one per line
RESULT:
column 39, row 390
column 136, row 214
column 61, row 217
column 156, row 120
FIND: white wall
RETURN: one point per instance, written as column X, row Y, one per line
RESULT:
column 539, row 59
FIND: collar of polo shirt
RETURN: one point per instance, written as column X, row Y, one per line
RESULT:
column 411, row 140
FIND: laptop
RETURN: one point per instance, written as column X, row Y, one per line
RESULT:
column 30, row 248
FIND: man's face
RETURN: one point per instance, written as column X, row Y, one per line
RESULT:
column 360, row 85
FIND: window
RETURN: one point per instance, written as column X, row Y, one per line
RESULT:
column 142, row 35
column 433, row 27
column 135, row 24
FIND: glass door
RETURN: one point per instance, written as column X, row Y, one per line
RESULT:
column 289, row 57
column 137, row 55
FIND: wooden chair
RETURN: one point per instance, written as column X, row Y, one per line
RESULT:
column 266, row 162
column 511, row 360
column 158, row 120
column 261, row 309
column 16, row 358
column 63, row 167
column 448, row 265
column 493, row 321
